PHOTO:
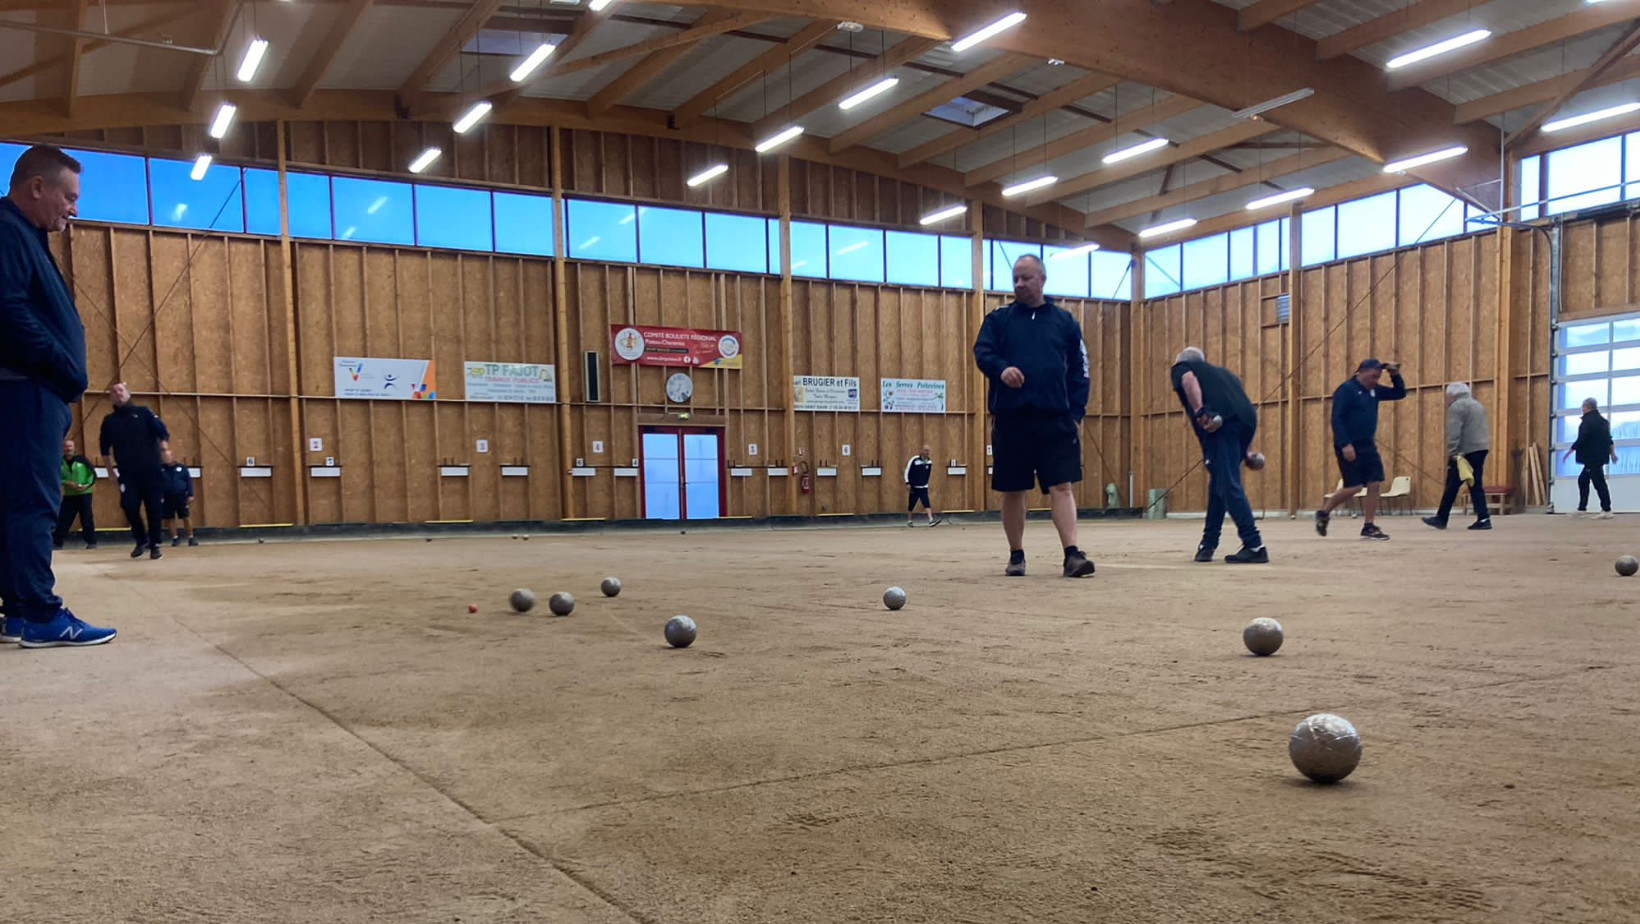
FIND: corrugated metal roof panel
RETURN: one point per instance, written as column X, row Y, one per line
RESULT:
column 386, row 47
column 1501, row 16
column 1334, row 174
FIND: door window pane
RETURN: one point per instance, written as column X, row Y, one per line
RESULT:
column 856, row 253
column 738, row 243
column 1206, row 261
column 1572, row 394
column 211, row 202
column 449, row 216
column 1625, row 426
column 1625, row 359
column 701, row 470
column 113, row 187
column 523, row 223
column 1584, row 363
column 1578, row 335
column 913, row 259
column 671, row 237
column 1112, row 275
column 1317, row 239
column 956, row 262
column 661, row 498
column 1626, row 390
column 1625, row 331
column 808, row 249
column 1592, row 166
column 602, row 231
column 1067, row 276
column 1428, row 214
column 373, row 210
column 1241, row 254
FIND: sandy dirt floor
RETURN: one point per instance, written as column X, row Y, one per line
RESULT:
column 319, row 732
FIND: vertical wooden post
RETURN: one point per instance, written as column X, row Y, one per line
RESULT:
column 287, row 282
column 1138, row 464
column 783, row 184
column 1503, row 370
column 1293, row 480
column 560, row 299
column 977, row 492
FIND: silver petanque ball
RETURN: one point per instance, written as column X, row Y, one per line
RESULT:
column 611, row 586
column 522, row 600
column 1325, row 747
column 1628, row 565
column 1262, row 636
column 894, row 598
column 680, row 632
column 561, row 604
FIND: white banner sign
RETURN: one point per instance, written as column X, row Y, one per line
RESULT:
column 385, row 379
column 913, row 396
column 826, row 393
column 514, row 383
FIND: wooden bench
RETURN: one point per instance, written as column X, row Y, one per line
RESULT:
column 1499, row 499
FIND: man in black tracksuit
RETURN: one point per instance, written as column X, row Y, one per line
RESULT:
column 1224, row 421
column 917, row 472
column 1594, row 448
column 135, row 435
column 1355, row 441
column 1032, row 352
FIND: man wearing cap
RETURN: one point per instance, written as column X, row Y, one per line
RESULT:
column 1355, row 433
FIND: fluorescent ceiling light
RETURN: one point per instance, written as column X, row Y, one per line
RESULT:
column 472, row 116
column 252, row 60
column 596, row 5
column 1258, row 109
column 1168, row 228
column 1402, row 166
column 857, row 245
column 222, row 119
column 1136, row 150
column 1587, row 117
column 1279, row 198
column 934, row 218
column 779, row 138
column 876, row 89
column 527, row 66
column 1439, row 48
column 424, row 160
column 974, row 38
column 1074, row 252
column 1029, row 185
column 202, row 164
column 708, row 175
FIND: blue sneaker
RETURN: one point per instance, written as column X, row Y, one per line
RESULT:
column 11, row 630
column 64, row 631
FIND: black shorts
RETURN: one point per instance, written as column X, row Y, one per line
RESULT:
column 1367, row 467
column 1031, row 449
column 174, row 508
column 919, row 494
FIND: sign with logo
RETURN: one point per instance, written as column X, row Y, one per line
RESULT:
column 826, row 393
column 913, row 396
column 675, row 346
column 511, row 383
column 385, row 379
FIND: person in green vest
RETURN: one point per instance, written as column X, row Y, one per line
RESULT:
column 77, row 475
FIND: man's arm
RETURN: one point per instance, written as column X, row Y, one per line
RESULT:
column 1454, row 429
column 104, row 440
column 908, row 465
column 1340, row 425
column 987, row 350
column 1397, row 388
column 29, row 346
column 1077, row 382
column 1192, row 391
column 157, row 427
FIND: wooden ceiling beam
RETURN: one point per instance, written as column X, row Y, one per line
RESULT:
column 322, row 60
column 946, row 91
column 75, row 52
column 448, row 46
column 633, row 78
column 1253, row 176
column 176, row 13
column 1615, row 53
column 809, row 36
column 836, row 88
column 1509, row 44
column 219, row 17
column 1077, row 89
column 1414, row 15
column 1265, row 12
column 1155, row 160
column 1137, row 119
column 1241, row 218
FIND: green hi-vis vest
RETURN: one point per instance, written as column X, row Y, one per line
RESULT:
column 77, row 473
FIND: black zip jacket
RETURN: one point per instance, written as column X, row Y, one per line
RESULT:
column 1045, row 343
column 41, row 336
column 134, row 434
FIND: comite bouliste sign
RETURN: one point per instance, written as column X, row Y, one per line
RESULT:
column 675, row 346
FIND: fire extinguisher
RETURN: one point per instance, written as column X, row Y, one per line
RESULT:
column 804, row 483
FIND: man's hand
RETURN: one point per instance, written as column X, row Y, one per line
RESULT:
column 1012, row 377
column 189, row 501
column 1392, row 368
column 1349, row 453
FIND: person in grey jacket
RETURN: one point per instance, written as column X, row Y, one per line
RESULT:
column 1467, row 438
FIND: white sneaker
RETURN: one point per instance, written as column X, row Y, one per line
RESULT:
column 1605, row 515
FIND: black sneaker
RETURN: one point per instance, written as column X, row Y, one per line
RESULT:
column 154, row 552
column 1322, row 518
column 1258, row 556
column 90, row 545
column 192, row 541
column 1436, row 522
column 1371, row 531
column 936, row 521
column 1481, row 524
column 1015, row 568
column 909, row 524
column 1077, row 565
column 176, row 541
column 1204, row 553
column 137, row 552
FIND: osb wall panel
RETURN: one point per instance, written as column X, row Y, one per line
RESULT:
column 195, row 325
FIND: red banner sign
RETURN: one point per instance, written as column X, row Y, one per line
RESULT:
column 675, row 346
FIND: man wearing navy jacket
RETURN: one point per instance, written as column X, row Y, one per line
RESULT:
column 1032, row 352
column 42, row 370
column 1355, row 440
